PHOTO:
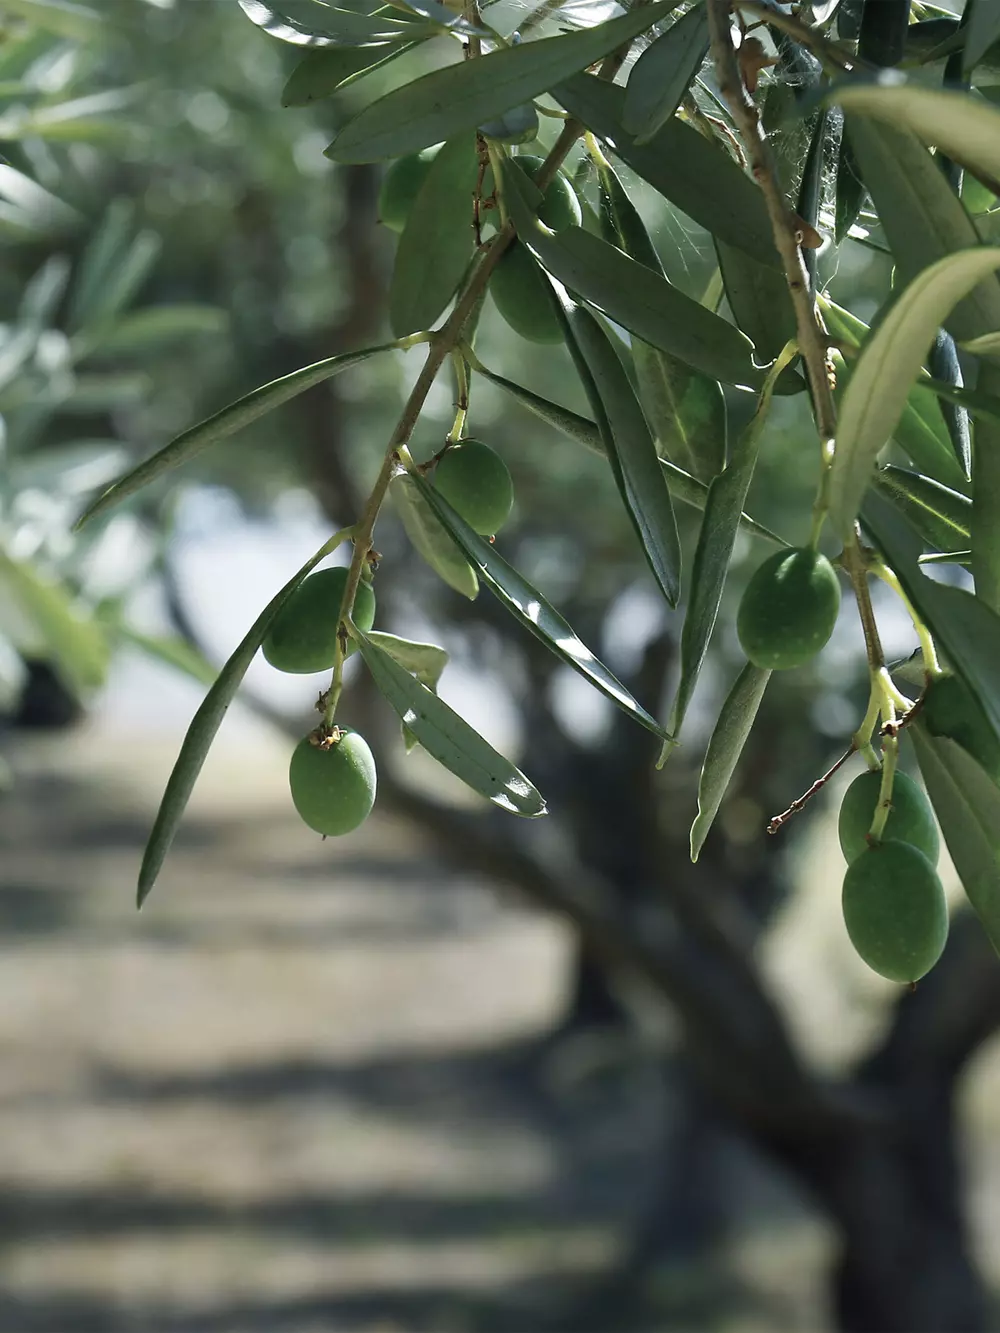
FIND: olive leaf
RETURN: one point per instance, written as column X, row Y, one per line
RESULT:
column 736, row 717
column 447, row 737
column 663, row 73
column 223, row 423
column 430, row 539
column 887, row 368
column 204, row 726
column 438, row 105
column 527, row 605
column 967, row 803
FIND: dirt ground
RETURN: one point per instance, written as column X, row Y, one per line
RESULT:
column 302, row 1090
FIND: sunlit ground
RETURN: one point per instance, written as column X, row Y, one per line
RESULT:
column 298, row 1091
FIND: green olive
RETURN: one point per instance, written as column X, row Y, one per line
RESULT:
column 333, row 789
column 788, row 609
column 474, row 479
column 895, row 910
column 524, row 297
column 401, row 185
column 303, row 635
column 911, row 818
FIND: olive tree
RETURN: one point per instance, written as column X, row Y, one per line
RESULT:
column 521, row 151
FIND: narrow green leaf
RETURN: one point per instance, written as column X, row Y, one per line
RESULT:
column 152, row 329
column 436, row 243
column 982, row 30
column 462, row 96
column 204, row 725
column 631, row 294
column 317, row 24
column 527, row 605
column 172, row 652
column 980, row 404
column 697, row 176
column 630, row 450
column 965, row 127
column 663, row 73
column 850, row 191
column 225, row 422
column 736, row 717
column 967, row 804
column 320, row 73
column 759, row 299
column 448, row 738
column 441, row 16
column 941, row 516
column 78, row 646
column 986, row 497
column 689, row 490
column 887, row 368
column 685, row 409
column 965, row 628
column 426, row 661
column 921, row 432
column 431, row 540
column 714, row 553
column 923, row 219
column 104, row 253
column 62, row 17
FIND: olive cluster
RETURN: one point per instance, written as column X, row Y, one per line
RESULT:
column 332, row 773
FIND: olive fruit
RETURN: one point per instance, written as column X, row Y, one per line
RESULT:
column 524, row 297
column 788, row 609
column 303, row 635
column 895, row 910
column 333, row 788
column 910, row 816
column 473, row 478
column 401, row 185
column 560, row 207
column 951, row 709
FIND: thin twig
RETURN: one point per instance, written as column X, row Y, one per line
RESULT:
column 811, row 336
column 780, row 820
column 829, row 52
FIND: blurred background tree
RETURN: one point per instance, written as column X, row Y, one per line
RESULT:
column 172, row 238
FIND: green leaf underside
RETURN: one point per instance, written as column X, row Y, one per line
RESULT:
column 967, row 804
column 921, row 432
column 663, row 73
column 224, row 423
column 724, row 749
column 982, row 31
column 689, row 490
column 431, row 540
column 172, row 652
column 314, row 24
column 713, row 554
column 78, row 647
column 758, row 298
column 630, row 450
column 886, row 370
column 202, row 731
column 436, row 106
column 436, row 243
column 426, row 661
column 631, row 294
column 696, row 176
column 941, row 516
column 964, row 127
column 448, row 738
column 320, row 73
column 965, row 628
column 922, row 218
column 529, row 607
column 686, row 410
